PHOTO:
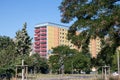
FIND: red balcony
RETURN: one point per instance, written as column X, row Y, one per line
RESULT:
column 36, row 35
column 43, row 53
column 37, row 38
column 42, row 45
column 37, row 43
column 37, row 47
column 37, row 50
column 42, row 36
column 37, row 30
column 42, row 32
column 43, row 41
column 42, row 49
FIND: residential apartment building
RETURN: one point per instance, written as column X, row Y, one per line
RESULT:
column 50, row 35
column 94, row 46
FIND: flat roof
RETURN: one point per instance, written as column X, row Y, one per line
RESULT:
column 51, row 24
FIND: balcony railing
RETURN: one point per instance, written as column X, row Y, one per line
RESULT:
column 37, row 43
column 37, row 38
column 42, row 32
column 43, row 41
column 43, row 49
column 37, row 50
column 37, row 46
column 37, row 35
column 37, row 30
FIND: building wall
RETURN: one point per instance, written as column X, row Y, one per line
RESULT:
column 53, row 37
column 95, row 46
column 48, row 36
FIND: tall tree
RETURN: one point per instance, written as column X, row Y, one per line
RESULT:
column 7, row 55
column 23, row 41
column 93, row 18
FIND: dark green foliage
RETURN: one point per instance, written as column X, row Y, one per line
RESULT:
column 37, row 63
column 70, row 58
column 7, row 56
column 53, row 63
column 82, row 62
column 7, row 51
column 93, row 18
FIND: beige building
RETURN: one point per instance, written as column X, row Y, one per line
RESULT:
column 48, row 36
column 95, row 46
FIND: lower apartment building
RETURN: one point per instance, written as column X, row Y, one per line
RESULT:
column 49, row 35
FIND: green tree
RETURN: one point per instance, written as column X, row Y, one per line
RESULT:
column 59, row 57
column 82, row 62
column 22, row 45
column 93, row 18
column 70, row 58
column 53, row 63
column 7, row 55
column 35, row 62
column 23, row 41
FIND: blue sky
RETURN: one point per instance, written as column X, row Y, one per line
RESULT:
column 13, row 13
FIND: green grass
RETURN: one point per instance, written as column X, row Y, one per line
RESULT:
column 63, row 76
column 68, row 77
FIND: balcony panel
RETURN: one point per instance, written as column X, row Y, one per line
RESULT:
column 43, row 49
column 43, row 53
column 42, row 32
column 43, row 36
column 37, row 30
column 37, row 43
column 37, row 50
column 37, row 35
column 37, row 47
column 43, row 40
column 37, row 38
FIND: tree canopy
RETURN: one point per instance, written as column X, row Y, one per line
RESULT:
column 7, row 55
column 93, row 18
column 71, row 59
